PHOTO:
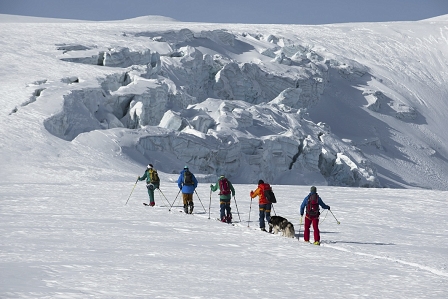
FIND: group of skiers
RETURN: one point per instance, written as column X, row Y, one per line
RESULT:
column 187, row 184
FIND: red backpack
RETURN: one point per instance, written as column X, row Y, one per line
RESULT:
column 266, row 190
column 312, row 207
column 224, row 187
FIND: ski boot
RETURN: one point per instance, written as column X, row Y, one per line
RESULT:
column 229, row 218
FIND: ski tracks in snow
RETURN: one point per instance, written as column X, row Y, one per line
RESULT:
column 373, row 256
column 330, row 244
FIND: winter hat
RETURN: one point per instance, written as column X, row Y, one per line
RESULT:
column 313, row 189
column 221, row 176
column 260, row 182
column 149, row 166
column 185, row 167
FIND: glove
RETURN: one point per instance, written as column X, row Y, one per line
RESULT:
column 328, row 207
column 211, row 185
column 251, row 193
column 138, row 178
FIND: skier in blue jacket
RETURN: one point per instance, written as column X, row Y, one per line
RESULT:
column 187, row 182
column 312, row 202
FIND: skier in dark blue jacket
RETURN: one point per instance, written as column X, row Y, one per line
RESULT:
column 312, row 202
column 187, row 182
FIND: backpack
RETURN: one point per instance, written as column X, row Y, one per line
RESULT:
column 154, row 176
column 224, row 187
column 188, row 178
column 268, row 194
column 312, row 207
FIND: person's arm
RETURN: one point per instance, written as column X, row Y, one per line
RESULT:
column 255, row 193
column 232, row 189
column 303, row 205
column 214, row 187
column 143, row 177
column 322, row 204
column 179, row 180
column 195, row 181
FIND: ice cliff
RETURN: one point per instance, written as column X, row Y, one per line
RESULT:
column 223, row 102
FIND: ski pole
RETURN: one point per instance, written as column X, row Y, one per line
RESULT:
column 300, row 227
column 163, row 195
column 320, row 222
column 210, row 204
column 237, row 208
column 174, row 200
column 200, row 201
column 131, row 191
column 250, row 208
column 334, row 217
column 273, row 209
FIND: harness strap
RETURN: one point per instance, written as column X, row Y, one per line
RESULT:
column 306, row 216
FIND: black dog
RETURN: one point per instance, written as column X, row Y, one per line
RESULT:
column 279, row 223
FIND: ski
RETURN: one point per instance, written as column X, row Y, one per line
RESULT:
column 311, row 243
column 232, row 223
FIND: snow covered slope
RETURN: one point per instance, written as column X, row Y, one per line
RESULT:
column 81, row 240
column 348, row 104
column 84, row 107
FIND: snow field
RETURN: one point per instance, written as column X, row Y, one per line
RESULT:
column 81, row 240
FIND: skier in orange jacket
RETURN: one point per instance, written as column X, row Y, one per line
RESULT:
column 264, row 205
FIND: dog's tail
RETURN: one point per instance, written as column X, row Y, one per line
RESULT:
column 292, row 231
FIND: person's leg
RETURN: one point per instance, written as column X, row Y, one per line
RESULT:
column 229, row 213
column 222, row 206
column 261, row 216
column 151, row 197
column 306, row 227
column 268, row 212
column 152, row 200
column 316, row 230
column 190, row 202
column 185, row 202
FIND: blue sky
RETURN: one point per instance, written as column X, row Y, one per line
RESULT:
column 233, row 11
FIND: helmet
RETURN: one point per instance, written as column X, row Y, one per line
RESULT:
column 260, row 182
column 313, row 189
column 149, row 166
column 185, row 167
column 221, row 176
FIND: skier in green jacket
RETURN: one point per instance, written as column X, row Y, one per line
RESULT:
column 152, row 182
column 226, row 191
